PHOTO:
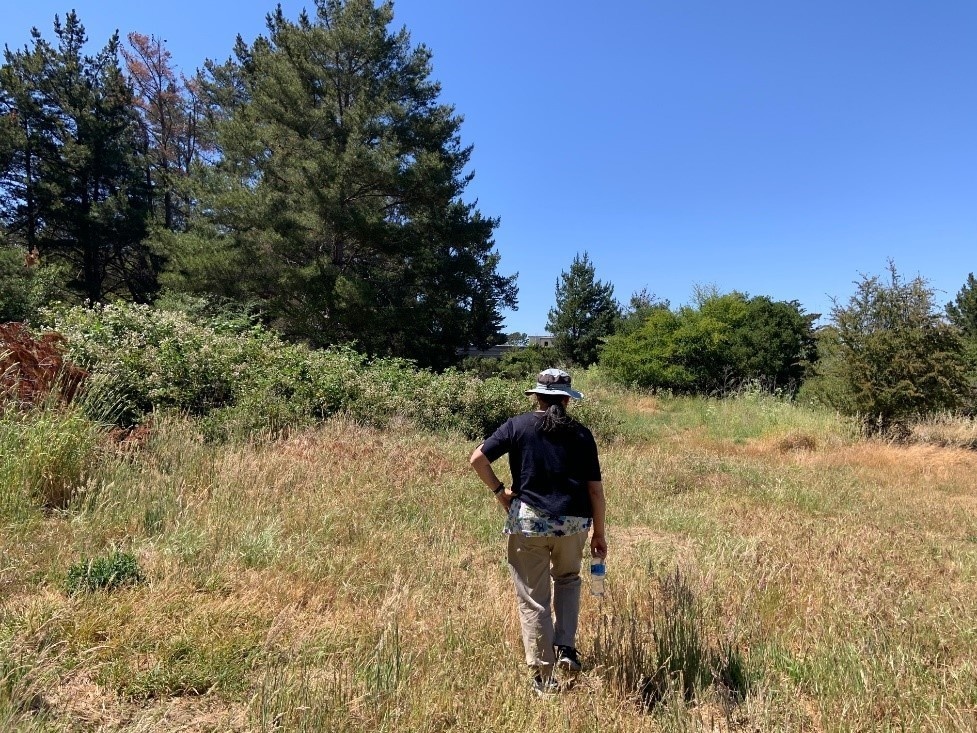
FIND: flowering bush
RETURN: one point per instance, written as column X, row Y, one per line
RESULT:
column 241, row 378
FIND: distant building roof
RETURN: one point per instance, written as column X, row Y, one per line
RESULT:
column 492, row 352
column 544, row 341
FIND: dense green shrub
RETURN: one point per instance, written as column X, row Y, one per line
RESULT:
column 518, row 363
column 148, row 359
column 25, row 288
column 889, row 356
column 715, row 347
column 527, row 362
column 648, row 356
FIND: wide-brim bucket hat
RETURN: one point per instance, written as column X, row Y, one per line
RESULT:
column 555, row 383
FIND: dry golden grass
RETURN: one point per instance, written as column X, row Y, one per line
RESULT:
column 945, row 430
column 353, row 579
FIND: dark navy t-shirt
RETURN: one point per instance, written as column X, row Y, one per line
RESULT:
column 550, row 471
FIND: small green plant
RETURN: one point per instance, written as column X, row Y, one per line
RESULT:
column 104, row 573
column 183, row 665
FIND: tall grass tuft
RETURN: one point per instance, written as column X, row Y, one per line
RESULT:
column 683, row 657
column 661, row 649
column 45, row 456
column 302, row 697
column 22, row 683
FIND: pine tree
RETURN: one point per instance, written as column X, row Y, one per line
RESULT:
column 22, row 141
column 343, row 178
column 585, row 314
column 72, row 185
column 170, row 115
column 962, row 311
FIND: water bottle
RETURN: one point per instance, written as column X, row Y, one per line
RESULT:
column 598, row 569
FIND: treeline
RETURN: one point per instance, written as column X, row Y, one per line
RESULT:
column 888, row 354
column 314, row 177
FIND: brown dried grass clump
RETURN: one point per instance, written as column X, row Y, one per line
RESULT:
column 31, row 368
column 132, row 439
column 797, row 442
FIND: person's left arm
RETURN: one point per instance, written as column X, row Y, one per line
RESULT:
column 598, row 503
column 598, row 540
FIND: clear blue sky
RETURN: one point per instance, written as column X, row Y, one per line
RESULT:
column 777, row 148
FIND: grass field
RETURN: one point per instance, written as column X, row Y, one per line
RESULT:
column 349, row 578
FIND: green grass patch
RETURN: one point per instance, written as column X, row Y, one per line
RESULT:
column 115, row 570
column 45, row 458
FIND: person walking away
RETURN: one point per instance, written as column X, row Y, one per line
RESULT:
column 556, row 498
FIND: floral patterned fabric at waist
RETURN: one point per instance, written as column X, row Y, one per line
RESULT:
column 523, row 519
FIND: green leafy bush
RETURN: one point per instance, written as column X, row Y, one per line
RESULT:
column 242, row 379
column 714, row 347
column 25, row 289
column 150, row 359
column 104, row 573
column 520, row 363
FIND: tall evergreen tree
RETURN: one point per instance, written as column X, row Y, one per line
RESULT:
column 22, row 139
column 962, row 310
column 71, row 183
column 343, row 179
column 585, row 314
column 962, row 313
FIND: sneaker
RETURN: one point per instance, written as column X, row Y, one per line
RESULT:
column 567, row 659
column 545, row 687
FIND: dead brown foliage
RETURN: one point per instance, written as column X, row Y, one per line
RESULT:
column 32, row 368
column 797, row 442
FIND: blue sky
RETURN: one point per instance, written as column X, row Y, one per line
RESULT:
column 775, row 147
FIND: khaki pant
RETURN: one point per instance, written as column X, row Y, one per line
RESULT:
column 532, row 562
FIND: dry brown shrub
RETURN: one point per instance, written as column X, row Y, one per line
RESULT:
column 132, row 439
column 797, row 442
column 31, row 368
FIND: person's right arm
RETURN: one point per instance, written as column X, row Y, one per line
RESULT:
column 598, row 540
column 483, row 467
